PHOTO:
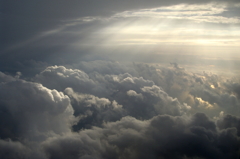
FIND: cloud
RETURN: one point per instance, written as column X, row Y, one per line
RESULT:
column 177, row 83
column 210, row 12
column 194, row 89
column 55, row 102
column 6, row 78
column 58, row 77
column 226, row 101
column 10, row 149
column 105, row 67
column 162, row 136
column 132, row 93
column 105, row 112
column 229, row 121
column 34, row 112
column 93, row 111
column 119, row 87
column 234, row 88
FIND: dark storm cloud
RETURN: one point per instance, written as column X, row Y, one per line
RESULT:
column 93, row 111
column 229, row 121
column 12, row 150
column 161, row 137
column 30, row 113
column 133, row 117
column 6, row 78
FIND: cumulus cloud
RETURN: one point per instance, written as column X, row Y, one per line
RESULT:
column 229, row 121
column 160, row 137
column 10, row 149
column 202, row 91
column 29, row 110
column 137, row 111
column 233, row 87
column 59, row 77
column 132, row 93
column 93, row 111
column 152, row 100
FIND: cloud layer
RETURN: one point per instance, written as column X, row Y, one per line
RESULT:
column 106, row 109
column 90, row 79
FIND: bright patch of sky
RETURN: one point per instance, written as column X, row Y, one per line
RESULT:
column 182, row 24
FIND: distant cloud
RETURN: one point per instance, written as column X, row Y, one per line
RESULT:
column 120, row 87
column 210, row 12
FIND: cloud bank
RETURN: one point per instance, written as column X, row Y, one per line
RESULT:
column 109, row 110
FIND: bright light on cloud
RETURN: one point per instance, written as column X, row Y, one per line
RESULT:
column 198, row 13
column 163, row 32
column 183, row 24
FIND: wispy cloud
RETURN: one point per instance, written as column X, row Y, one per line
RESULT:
column 199, row 13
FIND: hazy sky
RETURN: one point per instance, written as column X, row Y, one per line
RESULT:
column 129, row 79
column 41, row 29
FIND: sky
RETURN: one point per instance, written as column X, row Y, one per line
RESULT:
column 130, row 79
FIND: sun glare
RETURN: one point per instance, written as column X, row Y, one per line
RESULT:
column 174, row 25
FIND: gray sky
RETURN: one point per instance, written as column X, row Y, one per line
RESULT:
column 53, row 31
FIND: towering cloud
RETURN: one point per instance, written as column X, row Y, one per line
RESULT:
column 31, row 111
